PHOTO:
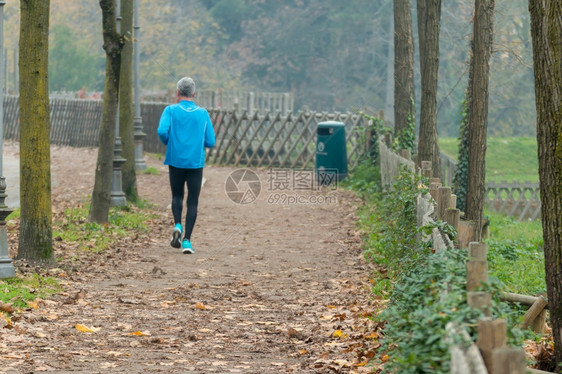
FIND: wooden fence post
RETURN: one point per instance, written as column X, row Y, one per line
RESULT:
column 453, row 201
column 405, row 153
column 476, row 274
column 478, row 251
column 452, row 217
column 433, row 187
column 480, row 300
column 534, row 311
column 443, row 201
column 491, row 335
column 508, row 361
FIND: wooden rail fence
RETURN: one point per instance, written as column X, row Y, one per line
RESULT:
column 516, row 199
column 489, row 354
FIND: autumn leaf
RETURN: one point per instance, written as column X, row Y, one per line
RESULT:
column 84, row 328
column 339, row 334
column 202, row 306
column 33, row 304
column 6, row 308
column 140, row 333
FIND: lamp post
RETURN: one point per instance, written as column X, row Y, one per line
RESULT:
column 6, row 268
column 117, row 196
column 139, row 134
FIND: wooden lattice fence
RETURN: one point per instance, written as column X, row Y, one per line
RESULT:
column 268, row 139
column 274, row 140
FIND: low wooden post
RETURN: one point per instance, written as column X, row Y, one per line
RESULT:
column 476, row 274
column 443, row 201
column 492, row 334
column 478, row 251
column 481, row 301
column 466, row 233
column 534, row 311
column 452, row 217
column 433, row 190
column 508, row 361
column 405, row 153
column 453, row 204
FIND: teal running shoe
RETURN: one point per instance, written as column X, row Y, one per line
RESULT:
column 176, row 236
column 186, row 247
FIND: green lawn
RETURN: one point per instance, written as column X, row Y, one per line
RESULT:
column 515, row 254
column 510, row 159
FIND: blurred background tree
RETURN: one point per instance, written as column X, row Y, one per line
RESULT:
column 332, row 55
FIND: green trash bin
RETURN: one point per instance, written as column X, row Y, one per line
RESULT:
column 331, row 152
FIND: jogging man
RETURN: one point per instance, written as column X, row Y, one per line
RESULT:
column 185, row 129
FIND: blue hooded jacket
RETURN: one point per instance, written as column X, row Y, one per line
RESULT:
column 186, row 129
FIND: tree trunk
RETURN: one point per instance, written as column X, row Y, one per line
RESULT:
column 404, row 95
column 389, row 97
column 429, row 15
column 482, row 36
column 35, row 241
column 112, row 44
column 126, row 123
column 546, row 31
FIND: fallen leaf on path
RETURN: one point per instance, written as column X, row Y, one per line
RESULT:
column 202, row 306
column 33, row 304
column 338, row 334
column 6, row 308
column 83, row 328
column 140, row 333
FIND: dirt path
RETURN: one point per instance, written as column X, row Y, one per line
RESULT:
column 272, row 288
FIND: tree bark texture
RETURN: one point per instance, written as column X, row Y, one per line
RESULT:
column 35, row 241
column 126, row 123
column 478, row 121
column 112, row 44
column 429, row 15
column 403, row 66
column 546, row 32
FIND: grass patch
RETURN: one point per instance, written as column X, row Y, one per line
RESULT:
column 20, row 290
column 14, row 215
column 507, row 159
column 515, row 254
column 151, row 170
column 74, row 227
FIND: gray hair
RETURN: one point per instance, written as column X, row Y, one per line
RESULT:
column 186, row 87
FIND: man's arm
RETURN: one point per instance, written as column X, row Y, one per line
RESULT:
column 209, row 133
column 164, row 126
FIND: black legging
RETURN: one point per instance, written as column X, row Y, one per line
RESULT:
column 178, row 178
